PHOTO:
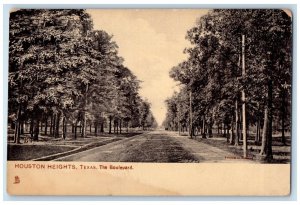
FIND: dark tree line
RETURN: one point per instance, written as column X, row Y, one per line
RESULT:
column 237, row 75
column 63, row 73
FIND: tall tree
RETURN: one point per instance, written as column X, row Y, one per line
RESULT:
column 215, row 62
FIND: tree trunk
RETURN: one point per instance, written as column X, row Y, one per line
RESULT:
column 224, row 130
column 22, row 127
column 263, row 150
column 31, row 127
column 109, row 130
column 54, row 125
column 259, row 132
column 203, row 128
column 114, row 127
column 266, row 148
column 257, row 136
column 25, row 127
column 51, row 125
column 191, row 116
column 17, row 127
column 46, row 126
column 64, row 127
column 36, row 130
column 102, row 127
column 117, row 126
column 83, row 131
column 17, row 133
column 57, row 125
column 210, row 135
column 231, row 140
column 96, row 129
column 13, row 125
column 269, row 152
column 227, row 133
column 283, row 114
column 75, row 130
column 120, row 126
column 200, row 129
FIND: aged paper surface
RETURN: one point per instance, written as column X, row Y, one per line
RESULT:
column 149, row 179
column 103, row 150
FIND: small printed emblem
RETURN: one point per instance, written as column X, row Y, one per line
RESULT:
column 17, row 180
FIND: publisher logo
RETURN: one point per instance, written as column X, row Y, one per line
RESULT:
column 17, row 180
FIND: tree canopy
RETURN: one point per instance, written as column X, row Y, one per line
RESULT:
column 62, row 69
column 213, row 73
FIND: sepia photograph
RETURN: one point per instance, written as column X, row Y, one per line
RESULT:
column 117, row 89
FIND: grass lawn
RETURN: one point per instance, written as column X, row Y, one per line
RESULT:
column 28, row 152
column 281, row 153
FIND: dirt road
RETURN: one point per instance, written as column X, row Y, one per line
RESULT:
column 156, row 146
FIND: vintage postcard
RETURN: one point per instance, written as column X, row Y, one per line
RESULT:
column 152, row 102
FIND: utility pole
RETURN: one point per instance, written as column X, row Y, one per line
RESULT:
column 244, row 100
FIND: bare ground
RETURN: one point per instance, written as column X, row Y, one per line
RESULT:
column 150, row 147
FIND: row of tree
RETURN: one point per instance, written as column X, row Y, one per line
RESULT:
column 237, row 75
column 62, row 72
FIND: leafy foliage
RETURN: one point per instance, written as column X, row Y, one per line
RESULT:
column 213, row 70
column 60, row 67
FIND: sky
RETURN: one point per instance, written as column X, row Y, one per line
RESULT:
column 151, row 42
